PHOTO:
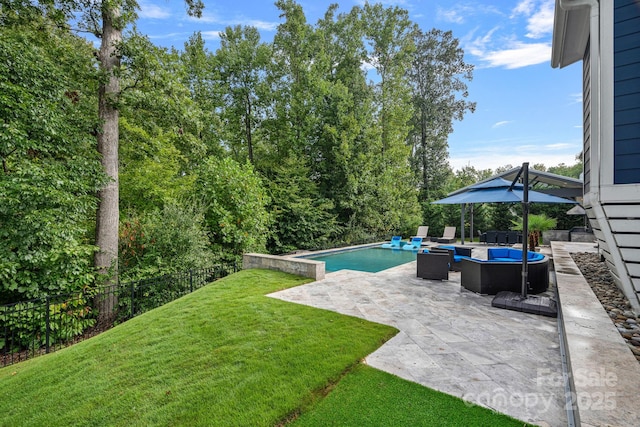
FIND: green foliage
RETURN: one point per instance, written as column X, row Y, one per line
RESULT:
column 27, row 322
column 242, row 61
column 150, row 169
column 573, row 171
column 302, row 218
column 159, row 114
column 235, row 203
column 167, row 240
column 50, row 170
column 536, row 225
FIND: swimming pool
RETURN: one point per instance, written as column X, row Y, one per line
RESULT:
column 367, row 259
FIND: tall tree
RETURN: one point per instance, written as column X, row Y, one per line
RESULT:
column 106, row 20
column 438, row 74
column 292, row 83
column 342, row 157
column 389, row 33
column 203, row 80
column 107, row 219
column 242, row 63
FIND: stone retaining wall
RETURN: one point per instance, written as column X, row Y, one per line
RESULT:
column 299, row 266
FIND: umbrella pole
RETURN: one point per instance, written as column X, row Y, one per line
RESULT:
column 525, row 227
column 463, row 208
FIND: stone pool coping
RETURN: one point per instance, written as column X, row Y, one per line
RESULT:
column 297, row 263
column 604, row 374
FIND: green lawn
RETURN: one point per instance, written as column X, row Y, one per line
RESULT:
column 223, row 355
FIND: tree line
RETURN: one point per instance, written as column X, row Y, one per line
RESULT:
column 131, row 159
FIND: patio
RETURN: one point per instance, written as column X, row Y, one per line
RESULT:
column 452, row 340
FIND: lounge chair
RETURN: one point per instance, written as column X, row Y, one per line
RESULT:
column 449, row 235
column 414, row 244
column 393, row 244
column 423, row 230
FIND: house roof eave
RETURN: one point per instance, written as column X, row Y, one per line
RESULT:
column 570, row 31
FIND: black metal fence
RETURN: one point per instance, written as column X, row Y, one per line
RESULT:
column 39, row 326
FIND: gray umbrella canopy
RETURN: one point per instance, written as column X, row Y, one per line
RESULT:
column 499, row 190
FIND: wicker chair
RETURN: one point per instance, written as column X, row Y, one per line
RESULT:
column 433, row 265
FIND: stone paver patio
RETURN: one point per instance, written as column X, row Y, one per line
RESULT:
column 452, row 340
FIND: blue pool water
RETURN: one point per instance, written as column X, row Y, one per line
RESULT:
column 371, row 260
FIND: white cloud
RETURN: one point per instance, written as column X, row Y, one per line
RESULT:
column 518, row 55
column 576, row 98
column 478, row 45
column 450, row 15
column 540, row 24
column 495, row 161
column 494, row 154
column 558, row 146
column 153, row 11
column 170, row 36
column 462, row 12
column 502, row 123
column 261, row 25
column 214, row 19
column 210, row 35
column 497, row 48
column 525, row 7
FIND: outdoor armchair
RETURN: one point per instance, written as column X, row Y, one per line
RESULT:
column 433, row 265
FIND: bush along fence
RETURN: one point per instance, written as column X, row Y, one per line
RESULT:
column 40, row 326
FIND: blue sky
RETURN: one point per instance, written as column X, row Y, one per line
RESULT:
column 526, row 111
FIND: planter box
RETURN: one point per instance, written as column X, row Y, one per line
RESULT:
column 555, row 236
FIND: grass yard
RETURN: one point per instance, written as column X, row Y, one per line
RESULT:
column 223, row 355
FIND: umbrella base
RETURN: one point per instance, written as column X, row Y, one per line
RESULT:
column 533, row 304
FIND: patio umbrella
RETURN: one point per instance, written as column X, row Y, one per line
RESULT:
column 500, row 190
column 497, row 190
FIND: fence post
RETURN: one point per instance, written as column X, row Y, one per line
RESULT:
column 47, row 325
column 191, row 280
column 133, row 296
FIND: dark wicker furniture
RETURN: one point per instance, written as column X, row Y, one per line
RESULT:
column 504, row 273
column 433, row 265
column 456, row 253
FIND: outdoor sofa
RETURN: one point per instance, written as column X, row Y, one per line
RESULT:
column 502, row 271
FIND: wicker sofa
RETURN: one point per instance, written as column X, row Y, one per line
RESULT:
column 502, row 271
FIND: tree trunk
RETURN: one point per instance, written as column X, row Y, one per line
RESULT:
column 106, row 258
column 247, row 126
